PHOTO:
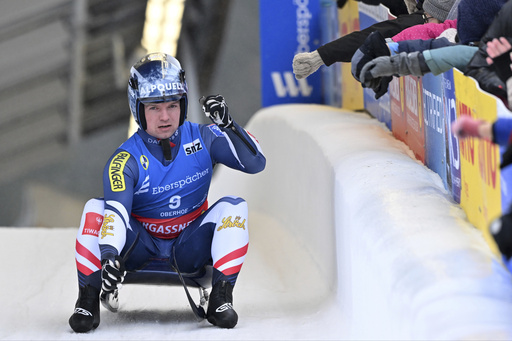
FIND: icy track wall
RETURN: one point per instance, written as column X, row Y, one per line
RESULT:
column 398, row 257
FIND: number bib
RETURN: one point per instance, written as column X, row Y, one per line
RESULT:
column 168, row 198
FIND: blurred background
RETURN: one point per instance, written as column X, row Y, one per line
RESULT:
column 64, row 67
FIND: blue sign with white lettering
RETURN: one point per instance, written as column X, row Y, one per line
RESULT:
column 288, row 27
column 453, row 157
column 435, row 129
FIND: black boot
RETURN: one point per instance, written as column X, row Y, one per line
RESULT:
column 220, row 307
column 87, row 310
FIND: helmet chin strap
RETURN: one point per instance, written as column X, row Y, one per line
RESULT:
column 166, row 146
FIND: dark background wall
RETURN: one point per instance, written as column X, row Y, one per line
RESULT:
column 47, row 183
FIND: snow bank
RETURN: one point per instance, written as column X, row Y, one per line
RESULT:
column 389, row 245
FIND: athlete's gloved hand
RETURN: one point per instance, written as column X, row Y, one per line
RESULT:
column 216, row 109
column 112, row 273
column 306, row 63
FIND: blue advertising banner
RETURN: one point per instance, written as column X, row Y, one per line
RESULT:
column 453, row 157
column 288, row 27
column 433, row 116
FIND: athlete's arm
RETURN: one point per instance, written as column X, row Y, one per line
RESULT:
column 234, row 147
column 237, row 149
column 119, row 179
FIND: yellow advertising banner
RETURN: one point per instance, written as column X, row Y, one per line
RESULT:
column 351, row 90
column 480, row 171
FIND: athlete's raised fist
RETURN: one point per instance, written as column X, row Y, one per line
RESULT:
column 216, row 109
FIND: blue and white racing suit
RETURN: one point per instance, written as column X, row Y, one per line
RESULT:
column 158, row 208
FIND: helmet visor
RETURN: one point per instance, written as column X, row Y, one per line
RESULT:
column 159, row 81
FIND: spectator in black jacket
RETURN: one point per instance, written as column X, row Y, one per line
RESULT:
column 474, row 19
column 478, row 68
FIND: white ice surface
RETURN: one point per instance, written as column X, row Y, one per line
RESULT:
column 350, row 239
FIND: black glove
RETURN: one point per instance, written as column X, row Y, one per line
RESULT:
column 501, row 66
column 501, row 230
column 112, row 273
column 382, row 86
column 374, row 46
column 216, row 109
column 488, row 81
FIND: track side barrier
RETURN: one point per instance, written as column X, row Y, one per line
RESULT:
column 420, row 110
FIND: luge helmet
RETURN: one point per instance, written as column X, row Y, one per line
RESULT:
column 156, row 78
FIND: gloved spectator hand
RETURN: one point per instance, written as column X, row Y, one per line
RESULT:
column 112, row 273
column 306, row 63
column 216, row 109
column 374, row 46
column 381, row 88
column 401, row 64
column 488, row 81
column 500, row 56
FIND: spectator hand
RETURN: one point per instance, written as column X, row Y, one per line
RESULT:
column 374, row 46
column 500, row 56
column 369, row 79
column 306, row 63
column 216, row 109
column 465, row 126
column 402, row 64
column 382, row 86
column 488, row 81
column 112, row 274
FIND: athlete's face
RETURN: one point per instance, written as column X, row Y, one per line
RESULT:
column 162, row 119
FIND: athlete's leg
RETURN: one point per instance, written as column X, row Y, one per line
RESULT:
column 86, row 315
column 220, row 237
column 88, row 261
column 87, row 252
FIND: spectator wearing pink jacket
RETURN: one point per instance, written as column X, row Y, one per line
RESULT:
column 425, row 31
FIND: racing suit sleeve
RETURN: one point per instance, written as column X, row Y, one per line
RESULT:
column 119, row 180
column 234, row 147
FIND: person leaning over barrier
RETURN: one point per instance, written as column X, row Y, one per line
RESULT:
column 419, row 57
column 499, row 132
column 343, row 48
column 436, row 14
column 478, row 68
